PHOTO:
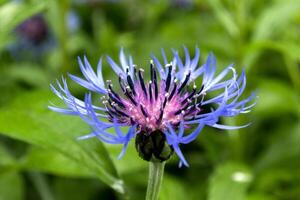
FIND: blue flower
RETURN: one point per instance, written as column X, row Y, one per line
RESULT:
column 169, row 103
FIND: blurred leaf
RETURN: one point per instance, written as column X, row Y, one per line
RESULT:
column 77, row 189
column 5, row 157
column 41, row 184
column 279, row 183
column 3, row 1
column 271, row 21
column 284, row 151
column 173, row 189
column 258, row 196
column 57, row 15
column 29, row 73
column 29, row 120
column 285, row 47
column 130, row 162
column 11, row 185
column 225, row 17
column 289, row 50
column 49, row 161
column 80, row 42
column 275, row 97
column 6, row 160
column 229, row 182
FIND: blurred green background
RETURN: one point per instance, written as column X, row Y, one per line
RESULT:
column 40, row 40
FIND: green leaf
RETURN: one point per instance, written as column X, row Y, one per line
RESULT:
column 173, row 189
column 283, row 152
column 275, row 18
column 130, row 162
column 272, row 21
column 229, row 182
column 284, row 182
column 259, row 196
column 49, row 161
column 271, row 101
column 28, row 119
column 30, row 73
column 11, row 185
column 225, row 17
column 77, row 189
column 6, row 158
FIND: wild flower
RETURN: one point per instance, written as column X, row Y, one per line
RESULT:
column 167, row 111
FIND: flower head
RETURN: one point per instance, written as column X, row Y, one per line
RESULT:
column 33, row 38
column 34, row 29
column 158, row 111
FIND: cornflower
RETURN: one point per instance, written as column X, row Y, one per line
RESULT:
column 158, row 112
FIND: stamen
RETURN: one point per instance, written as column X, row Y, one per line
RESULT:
column 151, row 70
column 112, row 112
column 189, row 97
column 155, row 84
column 121, row 82
column 143, row 111
column 160, row 116
column 131, row 120
column 134, row 71
column 131, row 85
column 168, row 81
column 116, row 100
column 173, row 91
column 150, row 90
column 182, row 109
column 116, row 111
column 184, row 82
column 165, row 102
column 110, row 115
column 130, row 97
column 142, row 82
column 190, row 109
column 120, row 112
column 113, row 92
column 201, row 89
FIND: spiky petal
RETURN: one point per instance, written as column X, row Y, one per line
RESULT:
column 168, row 102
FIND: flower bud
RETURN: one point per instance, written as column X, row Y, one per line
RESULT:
column 153, row 146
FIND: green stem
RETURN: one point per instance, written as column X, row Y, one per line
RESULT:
column 156, row 172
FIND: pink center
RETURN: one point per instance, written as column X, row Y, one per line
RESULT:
column 150, row 119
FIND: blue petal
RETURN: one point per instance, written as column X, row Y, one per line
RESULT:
column 226, row 127
column 93, row 82
column 115, row 67
column 192, row 136
column 123, row 60
column 164, row 57
column 195, row 60
column 187, row 57
column 99, row 72
column 180, row 155
column 131, row 133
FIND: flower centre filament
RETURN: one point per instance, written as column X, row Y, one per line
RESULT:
column 154, row 104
